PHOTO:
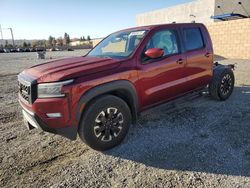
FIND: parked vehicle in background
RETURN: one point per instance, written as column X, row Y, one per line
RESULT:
column 26, row 50
column 32, row 50
column 40, row 49
column 13, row 50
column 54, row 49
column 6, row 50
column 99, row 95
column 1, row 50
column 20, row 50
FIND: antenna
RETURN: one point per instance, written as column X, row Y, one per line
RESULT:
column 192, row 15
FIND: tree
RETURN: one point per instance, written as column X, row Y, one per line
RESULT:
column 34, row 44
column 6, row 44
column 54, row 42
column 25, row 45
column 59, row 41
column 50, row 40
column 82, row 38
column 88, row 38
column 66, row 39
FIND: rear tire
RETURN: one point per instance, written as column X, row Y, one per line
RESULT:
column 222, row 84
column 105, row 122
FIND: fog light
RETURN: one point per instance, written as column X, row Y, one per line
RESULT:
column 54, row 115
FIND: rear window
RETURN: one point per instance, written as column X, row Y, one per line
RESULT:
column 193, row 39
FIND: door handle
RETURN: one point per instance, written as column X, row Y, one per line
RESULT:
column 179, row 61
column 207, row 54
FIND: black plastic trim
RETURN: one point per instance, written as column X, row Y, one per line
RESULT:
column 107, row 88
column 32, row 83
column 69, row 132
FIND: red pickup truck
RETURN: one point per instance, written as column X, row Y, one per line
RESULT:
column 100, row 95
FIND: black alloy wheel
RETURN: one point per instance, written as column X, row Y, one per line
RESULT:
column 105, row 122
column 108, row 124
column 226, row 84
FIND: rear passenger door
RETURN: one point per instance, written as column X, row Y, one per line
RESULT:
column 198, row 68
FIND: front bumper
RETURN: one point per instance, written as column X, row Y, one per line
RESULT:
column 33, row 121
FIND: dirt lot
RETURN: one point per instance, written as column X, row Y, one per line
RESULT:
column 201, row 143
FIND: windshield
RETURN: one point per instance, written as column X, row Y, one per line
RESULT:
column 118, row 45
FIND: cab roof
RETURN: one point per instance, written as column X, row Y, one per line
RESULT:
column 158, row 26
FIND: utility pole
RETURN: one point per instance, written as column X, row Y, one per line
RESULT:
column 1, row 34
column 11, row 31
column 13, row 42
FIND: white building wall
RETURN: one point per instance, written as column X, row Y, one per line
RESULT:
column 197, row 10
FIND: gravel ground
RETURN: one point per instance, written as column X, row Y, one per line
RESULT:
column 199, row 143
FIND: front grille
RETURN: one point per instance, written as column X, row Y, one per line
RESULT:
column 25, row 91
column 27, row 88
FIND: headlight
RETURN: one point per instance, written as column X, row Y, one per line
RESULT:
column 51, row 90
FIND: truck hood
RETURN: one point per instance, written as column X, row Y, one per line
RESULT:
column 69, row 68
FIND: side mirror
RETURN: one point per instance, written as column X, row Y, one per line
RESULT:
column 154, row 53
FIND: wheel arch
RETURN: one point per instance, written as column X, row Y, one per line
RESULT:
column 121, row 88
column 218, row 68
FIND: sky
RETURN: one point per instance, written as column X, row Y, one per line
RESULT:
column 32, row 19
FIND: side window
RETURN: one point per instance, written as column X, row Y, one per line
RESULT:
column 165, row 40
column 193, row 38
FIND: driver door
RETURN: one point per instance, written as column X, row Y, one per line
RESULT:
column 162, row 79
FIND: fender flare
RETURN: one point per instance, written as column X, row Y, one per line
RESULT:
column 123, row 86
column 219, row 67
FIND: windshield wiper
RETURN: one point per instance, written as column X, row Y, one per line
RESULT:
column 108, row 57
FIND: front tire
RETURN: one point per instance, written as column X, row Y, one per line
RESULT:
column 105, row 122
column 222, row 84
